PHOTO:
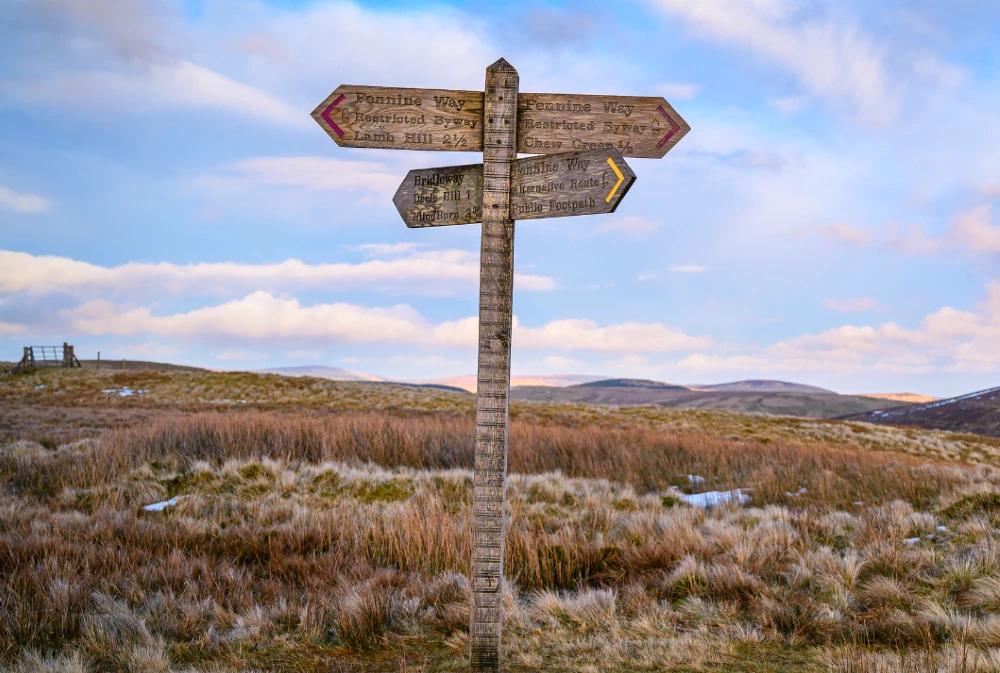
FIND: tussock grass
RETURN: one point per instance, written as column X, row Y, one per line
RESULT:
column 307, row 541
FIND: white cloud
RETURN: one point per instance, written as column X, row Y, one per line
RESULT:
column 831, row 56
column 853, row 305
column 945, row 340
column 10, row 329
column 630, row 225
column 678, row 91
column 561, row 362
column 304, row 354
column 974, row 229
column 424, row 361
column 387, row 249
column 339, row 37
column 689, row 268
column 631, row 363
column 587, row 335
column 264, row 318
column 910, row 240
column 646, row 276
column 847, row 233
column 150, row 349
column 907, row 240
column 28, row 204
column 442, row 272
column 174, row 84
column 789, row 105
column 241, row 355
column 310, row 173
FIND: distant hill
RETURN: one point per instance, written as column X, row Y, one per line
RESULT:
column 139, row 365
column 977, row 413
column 630, row 383
column 910, row 398
column 763, row 386
column 468, row 382
column 432, row 386
column 630, row 392
column 320, row 372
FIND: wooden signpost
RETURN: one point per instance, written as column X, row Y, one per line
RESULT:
column 577, row 183
column 582, row 140
column 547, row 123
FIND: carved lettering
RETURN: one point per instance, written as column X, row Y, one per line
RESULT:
column 542, row 144
column 547, row 106
column 613, row 106
column 388, row 100
column 388, row 118
column 610, row 127
column 383, row 137
column 438, row 179
column 586, row 145
column 562, row 124
column 444, row 102
column 572, row 205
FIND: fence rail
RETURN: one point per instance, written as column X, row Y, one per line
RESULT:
column 47, row 356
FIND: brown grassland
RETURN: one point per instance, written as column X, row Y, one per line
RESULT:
column 324, row 526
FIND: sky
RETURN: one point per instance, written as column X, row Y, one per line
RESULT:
column 831, row 218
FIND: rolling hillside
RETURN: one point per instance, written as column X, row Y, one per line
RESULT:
column 763, row 386
column 977, row 413
column 628, row 392
column 321, row 372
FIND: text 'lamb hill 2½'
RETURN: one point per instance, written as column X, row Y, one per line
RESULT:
column 583, row 140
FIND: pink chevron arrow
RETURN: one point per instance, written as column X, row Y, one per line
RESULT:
column 333, row 124
column 674, row 128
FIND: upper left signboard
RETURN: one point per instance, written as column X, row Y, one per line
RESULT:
column 403, row 119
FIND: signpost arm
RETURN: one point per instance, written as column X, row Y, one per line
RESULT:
column 493, row 381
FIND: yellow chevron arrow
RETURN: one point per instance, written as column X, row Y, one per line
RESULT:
column 621, row 179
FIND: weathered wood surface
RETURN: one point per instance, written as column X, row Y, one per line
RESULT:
column 636, row 126
column 547, row 123
column 403, row 119
column 435, row 197
column 576, row 183
column 496, row 289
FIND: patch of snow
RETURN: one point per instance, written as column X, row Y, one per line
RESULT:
column 696, row 479
column 801, row 491
column 125, row 391
column 912, row 540
column 39, row 387
column 942, row 528
column 160, row 506
column 713, row 498
column 941, row 403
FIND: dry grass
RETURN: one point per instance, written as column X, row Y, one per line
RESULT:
column 310, row 541
column 75, row 390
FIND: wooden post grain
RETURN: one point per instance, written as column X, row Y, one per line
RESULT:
column 496, row 285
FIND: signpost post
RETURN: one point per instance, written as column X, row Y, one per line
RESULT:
column 582, row 140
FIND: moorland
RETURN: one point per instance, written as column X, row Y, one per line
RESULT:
column 316, row 525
